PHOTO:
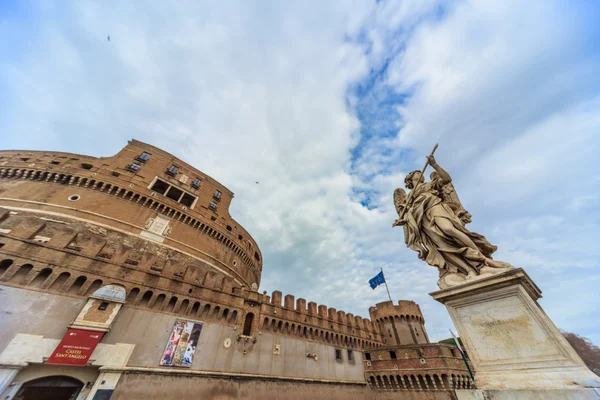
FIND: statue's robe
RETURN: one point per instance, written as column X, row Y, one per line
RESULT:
column 422, row 234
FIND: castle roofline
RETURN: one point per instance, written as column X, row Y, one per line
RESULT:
column 166, row 154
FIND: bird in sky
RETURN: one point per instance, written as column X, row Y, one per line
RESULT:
column 257, row 183
column 108, row 37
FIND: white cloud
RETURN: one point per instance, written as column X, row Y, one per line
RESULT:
column 248, row 93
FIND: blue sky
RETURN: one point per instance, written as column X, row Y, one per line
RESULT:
column 328, row 106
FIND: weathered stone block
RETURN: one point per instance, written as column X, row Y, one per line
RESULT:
column 510, row 340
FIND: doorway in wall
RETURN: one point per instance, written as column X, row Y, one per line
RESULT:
column 248, row 324
column 50, row 388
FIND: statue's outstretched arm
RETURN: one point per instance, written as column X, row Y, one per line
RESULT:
column 444, row 176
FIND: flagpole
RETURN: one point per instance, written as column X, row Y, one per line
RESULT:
column 386, row 286
column 462, row 353
column 396, row 335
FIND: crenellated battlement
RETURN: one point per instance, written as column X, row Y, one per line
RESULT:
column 404, row 309
column 321, row 318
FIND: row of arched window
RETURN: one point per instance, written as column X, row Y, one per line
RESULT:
column 420, row 382
column 191, row 308
column 400, row 318
column 53, row 279
column 127, row 194
column 292, row 329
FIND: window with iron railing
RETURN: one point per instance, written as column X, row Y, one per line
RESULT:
column 143, row 157
column 134, row 167
column 172, row 170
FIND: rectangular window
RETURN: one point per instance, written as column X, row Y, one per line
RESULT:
column 338, row 355
column 160, row 186
column 368, row 356
column 393, row 355
column 173, row 170
column 187, row 200
column 213, row 205
column 174, row 193
column 143, row 157
column 196, row 183
column 350, row 355
column 217, row 195
column 134, row 167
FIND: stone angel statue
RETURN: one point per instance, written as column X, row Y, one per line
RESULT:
column 434, row 220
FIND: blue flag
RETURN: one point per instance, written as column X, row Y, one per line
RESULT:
column 377, row 280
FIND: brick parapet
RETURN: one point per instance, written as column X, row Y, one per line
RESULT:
column 319, row 317
column 434, row 366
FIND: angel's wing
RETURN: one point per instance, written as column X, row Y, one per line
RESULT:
column 449, row 196
column 399, row 200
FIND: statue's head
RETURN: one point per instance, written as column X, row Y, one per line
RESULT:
column 412, row 178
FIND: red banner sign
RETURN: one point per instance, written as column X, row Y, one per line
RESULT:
column 76, row 347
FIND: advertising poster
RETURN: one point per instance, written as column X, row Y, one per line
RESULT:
column 75, row 348
column 182, row 344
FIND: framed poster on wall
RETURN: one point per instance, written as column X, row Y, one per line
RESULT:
column 182, row 343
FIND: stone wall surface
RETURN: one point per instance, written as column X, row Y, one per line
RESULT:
column 150, row 331
column 156, row 387
column 35, row 313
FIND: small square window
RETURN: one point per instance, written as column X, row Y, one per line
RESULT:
column 350, row 355
column 144, row 157
column 173, row 170
column 196, row 183
column 368, row 356
column 103, row 305
column 338, row 355
column 134, row 167
column 393, row 355
column 217, row 195
column 213, row 205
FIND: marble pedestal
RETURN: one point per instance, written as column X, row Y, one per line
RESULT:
column 511, row 342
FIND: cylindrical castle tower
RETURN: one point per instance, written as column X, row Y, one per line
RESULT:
column 137, row 199
column 400, row 324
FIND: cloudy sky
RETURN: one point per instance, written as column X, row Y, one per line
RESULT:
column 328, row 105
